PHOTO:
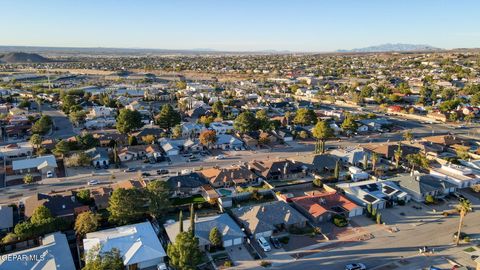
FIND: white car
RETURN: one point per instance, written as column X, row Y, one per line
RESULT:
column 355, row 266
column 93, row 182
column 49, row 174
column 264, row 244
column 220, row 157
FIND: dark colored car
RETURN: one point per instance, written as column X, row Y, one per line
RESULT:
column 276, row 243
column 162, row 171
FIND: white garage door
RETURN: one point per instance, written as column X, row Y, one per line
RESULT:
column 237, row 241
column 264, row 234
column 227, row 243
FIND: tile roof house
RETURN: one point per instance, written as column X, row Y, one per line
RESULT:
column 321, row 206
column 268, row 218
column 138, row 244
column 52, row 254
column 445, row 140
column 388, row 150
column 226, row 177
column 421, row 185
column 186, row 184
column 128, row 184
column 60, row 205
column 278, row 169
column 232, row 234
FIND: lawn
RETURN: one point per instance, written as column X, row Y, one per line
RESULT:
column 189, row 200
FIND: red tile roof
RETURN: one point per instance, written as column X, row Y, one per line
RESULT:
column 320, row 203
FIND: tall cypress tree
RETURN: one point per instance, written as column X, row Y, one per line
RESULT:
column 180, row 219
column 192, row 219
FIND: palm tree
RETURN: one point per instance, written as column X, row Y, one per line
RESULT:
column 408, row 136
column 463, row 208
column 418, row 160
column 398, row 155
column 374, row 161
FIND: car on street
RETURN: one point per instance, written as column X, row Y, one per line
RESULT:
column 192, row 159
column 93, row 182
column 275, row 243
column 162, row 171
column 49, row 174
column 220, row 157
column 146, row 174
column 264, row 244
column 355, row 266
column 129, row 170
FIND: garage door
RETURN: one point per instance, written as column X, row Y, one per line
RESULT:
column 264, row 234
column 237, row 241
column 227, row 243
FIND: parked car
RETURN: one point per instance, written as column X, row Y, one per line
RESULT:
column 49, row 174
column 162, row 171
column 275, row 243
column 146, row 174
column 220, row 157
column 93, row 182
column 129, row 170
column 264, row 244
column 355, row 266
column 191, row 159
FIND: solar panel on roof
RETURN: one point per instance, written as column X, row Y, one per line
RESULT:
column 369, row 198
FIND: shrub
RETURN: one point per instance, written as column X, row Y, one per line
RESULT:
column 265, row 264
column 429, row 199
column 228, row 264
column 466, row 239
column 340, row 221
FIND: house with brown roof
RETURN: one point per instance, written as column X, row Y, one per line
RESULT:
column 445, row 140
column 321, row 206
column 128, row 184
column 60, row 205
column 227, row 177
column 387, row 150
column 101, row 196
column 278, row 169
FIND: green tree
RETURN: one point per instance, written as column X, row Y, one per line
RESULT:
column 408, row 136
column 128, row 120
column 132, row 140
column 180, row 220
column 42, row 125
column 374, row 159
column 398, row 155
column 40, row 215
column 126, row 206
column 318, row 182
column 77, row 117
column 336, row 172
column 158, row 197
column 321, row 132
column 62, row 148
column 417, row 160
column 86, row 222
column 168, row 117
column 217, row 108
column 87, row 141
column 36, row 140
column 245, row 122
column 379, row 218
column 109, row 260
column 184, row 253
column 464, row 207
column 68, row 101
column 192, row 219
column 83, row 196
column 177, row 132
column 263, row 120
column 305, row 117
column 208, row 137
column 215, row 237
column 349, row 125
column 28, row 178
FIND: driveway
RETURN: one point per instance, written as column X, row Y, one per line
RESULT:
column 239, row 255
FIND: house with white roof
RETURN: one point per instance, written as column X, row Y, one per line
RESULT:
column 458, row 175
column 222, row 127
column 40, row 165
column 52, row 254
column 138, row 244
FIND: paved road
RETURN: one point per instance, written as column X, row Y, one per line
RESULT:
column 63, row 126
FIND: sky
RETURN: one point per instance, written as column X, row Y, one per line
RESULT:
column 240, row 25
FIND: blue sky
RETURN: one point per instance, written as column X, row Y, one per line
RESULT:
column 296, row 25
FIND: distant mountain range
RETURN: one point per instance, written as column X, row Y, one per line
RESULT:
column 398, row 47
column 21, row 57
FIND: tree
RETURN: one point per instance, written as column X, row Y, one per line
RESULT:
column 80, row 159
column 336, row 172
column 62, row 148
column 184, row 253
column 305, row 117
column 398, row 155
column 126, row 206
column 217, row 108
column 87, row 141
column 149, row 139
column 158, row 197
column 208, row 137
column 349, row 125
column 322, row 131
column 215, row 237
column 263, row 120
column 128, row 120
column 318, row 182
column 192, row 219
column 180, row 220
column 245, row 122
column 36, row 140
column 408, row 136
column 28, row 178
column 77, row 117
column 109, row 260
column 40, row 215
column 417, row 160
column 374, row 158
column 365, row 162
column 463, row 208
column 42, row 125
column 86, row 222
column 379, row 218
column 177, row 132
column 132, row 140
column 168, row 117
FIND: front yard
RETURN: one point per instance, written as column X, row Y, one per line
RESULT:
column 194, row 199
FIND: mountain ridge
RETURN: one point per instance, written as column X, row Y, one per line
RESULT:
column 394, row 47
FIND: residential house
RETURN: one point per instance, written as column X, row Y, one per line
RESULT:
column 227, row 177
column 375, row 193
column 60, row 205
column 387, row 150
column 266, row 219
column 231, row 233
column 419, row 186
column 458, row 175
column 349, row 155
column 138, row 152
column 15, row 150
column 52, row 254
column 39, row 165
column 101, row 112
column 324, row 205
column 110, row 138
column 192, row 130
column 209, row 193
column 138, row 245
column 101, row 197
column 222, row 127
column 319, row 164
column 278, row 169
column 445, row 140
column 226, row 142
column 284, row 134
column 128, row 184
column 186, row 184
column 99, row 156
